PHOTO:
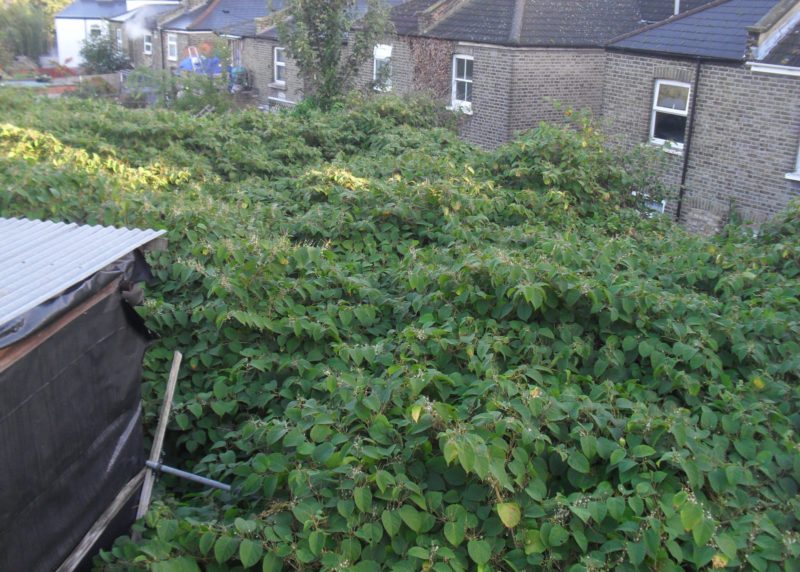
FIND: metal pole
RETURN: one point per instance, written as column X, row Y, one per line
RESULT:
column 188, row 476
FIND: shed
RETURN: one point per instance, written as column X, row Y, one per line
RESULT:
column 71, row 350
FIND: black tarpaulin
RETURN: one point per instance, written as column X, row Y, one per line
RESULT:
column 70, row 419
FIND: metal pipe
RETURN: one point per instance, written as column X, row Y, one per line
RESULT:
column 186, row 475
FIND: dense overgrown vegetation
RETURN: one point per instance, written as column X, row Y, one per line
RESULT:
column 406, row 354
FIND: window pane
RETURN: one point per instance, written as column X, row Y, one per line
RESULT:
column 459, row 68
column 468, row 74
column 669, row 127
column 279, row 55
column 672, row 96
column 461, row 91
column 468, row 90
column 280, row 73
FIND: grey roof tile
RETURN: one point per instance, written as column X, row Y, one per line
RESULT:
column 544, row 22
column 89, row 9
column 718, row 31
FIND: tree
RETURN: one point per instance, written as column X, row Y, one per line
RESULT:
column 24, row 30
column 101, row 55
column 330, row 39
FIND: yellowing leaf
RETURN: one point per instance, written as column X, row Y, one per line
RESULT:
column 509, row 513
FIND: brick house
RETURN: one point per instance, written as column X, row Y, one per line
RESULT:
column 718, row 88
column 505, row 64
column 136, row 33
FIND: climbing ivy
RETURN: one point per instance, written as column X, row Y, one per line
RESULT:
column 408, row 354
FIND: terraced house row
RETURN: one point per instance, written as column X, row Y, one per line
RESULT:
column 713, row 84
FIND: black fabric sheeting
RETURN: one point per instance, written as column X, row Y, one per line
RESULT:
column 70, row 434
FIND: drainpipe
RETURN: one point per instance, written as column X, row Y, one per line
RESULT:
column 161, row 49
column 688, row 147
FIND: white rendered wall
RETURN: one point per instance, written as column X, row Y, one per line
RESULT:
column 70, row 35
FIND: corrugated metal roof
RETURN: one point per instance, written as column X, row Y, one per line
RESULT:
column 41, row 259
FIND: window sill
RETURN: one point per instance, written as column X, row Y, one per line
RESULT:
column 667, row 147
column 382, row 89
column 460, row 107
column 278, row 85
column 793, row 176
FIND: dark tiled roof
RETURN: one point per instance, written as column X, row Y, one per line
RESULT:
column 787, row 52
column 230, row 12
column 718, row 31
column 532, row 22
column 659, row 10
column 85, row 9
column 145, row 16
column 477, row 21
column 358, row 11
column 182, row 21
column 577, row 22
column 405, row 15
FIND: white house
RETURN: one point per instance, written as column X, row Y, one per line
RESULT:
column 84, row 19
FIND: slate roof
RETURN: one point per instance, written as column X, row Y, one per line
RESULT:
column 660, row 10
column 787, row 51
column 568, row 23
column 716, row 31
column 146, row 16
column 93, row 9
column 219, row 15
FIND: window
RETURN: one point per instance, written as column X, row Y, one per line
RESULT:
column 235, row 47
column 148, row 44
column 796, row 175
column 279, row 65
column 95, row 31
column 172, row 47
column 382, row 68
column 670, row 112
column 119, row 39
column 462, row 83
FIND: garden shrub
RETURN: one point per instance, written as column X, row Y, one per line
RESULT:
column 405, row 356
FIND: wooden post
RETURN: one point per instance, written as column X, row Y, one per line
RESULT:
column 91, row 537
column 158, row 440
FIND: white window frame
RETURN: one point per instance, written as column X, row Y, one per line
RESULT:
column 796, row 175
column 147, row 44
column 673, row 146
column 172, row 47
column 457, row 104
column 119, row 39
column 276, row 64
column 382, row 53
column 95, row 31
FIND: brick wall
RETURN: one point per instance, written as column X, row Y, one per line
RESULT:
column 513, row 89
column 744, row 138
column 544, row 77
column 257, row 57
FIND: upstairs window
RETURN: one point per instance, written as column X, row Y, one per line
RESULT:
column 670, row 113
column 279, row 65
column 462, row 83
column 119, row 39
column 382, row 68
column 172, row 47
column 148, row 44
column 95, row 31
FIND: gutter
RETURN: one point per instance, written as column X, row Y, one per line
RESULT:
column 773, row 69
column 688, row 147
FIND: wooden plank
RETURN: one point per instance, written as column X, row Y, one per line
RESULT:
column 90, row 538
column 12, row 354
column 158, row 440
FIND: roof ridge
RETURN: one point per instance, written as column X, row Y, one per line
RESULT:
column 669, row 20
column 516, row 22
